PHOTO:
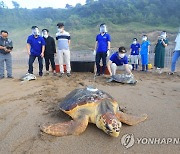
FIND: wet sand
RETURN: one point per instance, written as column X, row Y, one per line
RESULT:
column 26, row 105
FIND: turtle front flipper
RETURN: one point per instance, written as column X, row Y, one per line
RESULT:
column 73, row 127
column 130, row 119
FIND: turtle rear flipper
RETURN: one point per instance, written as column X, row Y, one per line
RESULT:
column 73, row 127
column 130, row 119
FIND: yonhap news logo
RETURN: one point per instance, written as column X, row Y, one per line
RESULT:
column 128, row 140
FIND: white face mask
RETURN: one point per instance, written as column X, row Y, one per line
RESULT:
column 35, row 31
column 60, row 30
column 103, row 29
column 144, row 38
column 163, row 36
column 134, row 42
column 121, row 55
column 46, row 35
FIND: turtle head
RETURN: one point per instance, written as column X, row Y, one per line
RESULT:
column 109, row 124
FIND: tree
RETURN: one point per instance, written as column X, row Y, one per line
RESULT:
column 78, row 5
column 2, row 4
column 68, row 6
column 15, row 4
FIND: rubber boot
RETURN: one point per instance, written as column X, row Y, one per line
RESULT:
column 143, row 67
column 146, row 67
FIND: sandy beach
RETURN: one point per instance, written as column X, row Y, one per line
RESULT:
column 24, row 106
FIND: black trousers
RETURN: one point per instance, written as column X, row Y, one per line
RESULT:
column 31, row 61
column 48, row 59
column 99, row 56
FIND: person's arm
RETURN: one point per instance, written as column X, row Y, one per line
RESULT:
column 127, row 69
column 43, row 49
column 109, row 45
column 109, row 67
column 95, row 47
column 163, row 43
column 69, row 41
column 28, row 46
column 54, row 45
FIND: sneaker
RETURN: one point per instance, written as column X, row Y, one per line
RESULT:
column 68, row 74
column 54, row 73
column 10, row 77
column 98, row 74
column 40, row 75
column 47, row 72
column 61, row 75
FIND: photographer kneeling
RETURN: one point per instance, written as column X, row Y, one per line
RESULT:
column 119, row 61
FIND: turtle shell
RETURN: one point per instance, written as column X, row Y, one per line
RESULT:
column 124, row 78
column 83, row 96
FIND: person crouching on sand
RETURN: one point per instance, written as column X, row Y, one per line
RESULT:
column 119, row 61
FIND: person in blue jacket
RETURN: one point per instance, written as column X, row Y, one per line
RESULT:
column 35, row 49
column 144, row 52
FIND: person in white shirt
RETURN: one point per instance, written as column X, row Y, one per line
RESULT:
column 176, row 54
column 63, row 41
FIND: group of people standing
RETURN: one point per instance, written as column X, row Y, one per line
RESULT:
column 119, row 60
column 43, row 46
column 142, row 50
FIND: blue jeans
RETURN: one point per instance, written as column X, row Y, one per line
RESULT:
column 5, row 58
column 31, row 61
column 175, row 57
column 99, row 56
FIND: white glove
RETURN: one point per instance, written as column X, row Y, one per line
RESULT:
column 57, row 34
column 94, row 52
column 108, row 53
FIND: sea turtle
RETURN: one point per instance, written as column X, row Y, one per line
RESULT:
column 28, row 77
column 123, row 78
column 90, row 105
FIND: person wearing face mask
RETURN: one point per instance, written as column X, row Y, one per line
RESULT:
column 35, row 48
column 63, row 39
column 6, row 47
column 134, row 50
column 160, row 51
column 176, row 54
column 144, row 52
column 102, row 47
column 50, row 50
column 119, row 61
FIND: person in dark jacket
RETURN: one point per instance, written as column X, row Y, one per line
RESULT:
column 50, row 50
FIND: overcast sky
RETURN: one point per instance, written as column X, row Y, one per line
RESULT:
column 43, row 3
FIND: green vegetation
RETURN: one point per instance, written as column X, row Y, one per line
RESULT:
column 125, row 19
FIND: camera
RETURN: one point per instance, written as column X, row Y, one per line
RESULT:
column 9, row 48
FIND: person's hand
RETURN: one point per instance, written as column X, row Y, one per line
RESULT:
column 110, row 74
column 42, row 54
column 94, row 52
column 57, row 34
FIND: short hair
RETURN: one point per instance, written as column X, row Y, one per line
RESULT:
column 60, row 24
column 4, row 31
column 122, row 49
column 33, row 27
column 135, row 38
column 45, row 30
column 102, row 24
